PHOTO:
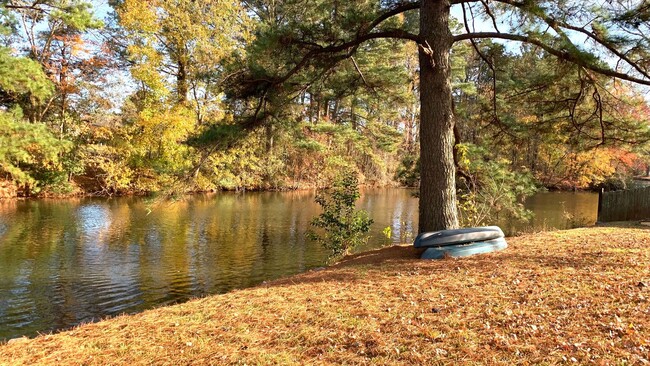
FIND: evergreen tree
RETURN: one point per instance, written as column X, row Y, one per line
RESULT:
column 324, row 33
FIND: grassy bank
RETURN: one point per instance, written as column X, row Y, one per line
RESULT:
column 577, row 296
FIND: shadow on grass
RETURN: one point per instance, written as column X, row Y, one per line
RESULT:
column 343, row 270
column 380, row 256
column 522, row 255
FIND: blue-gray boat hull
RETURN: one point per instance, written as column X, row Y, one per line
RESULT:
column 457, row 236
column 464, row 250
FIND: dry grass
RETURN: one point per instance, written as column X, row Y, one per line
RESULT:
column 576, row 297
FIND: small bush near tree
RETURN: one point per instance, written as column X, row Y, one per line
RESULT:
column 491, row 190
column 340, row 227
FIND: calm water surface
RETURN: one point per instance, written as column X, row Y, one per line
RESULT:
column 64, row 262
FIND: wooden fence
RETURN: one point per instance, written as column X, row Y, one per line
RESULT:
column 627, row 205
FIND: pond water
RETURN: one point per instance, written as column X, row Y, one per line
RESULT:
column 65, row 262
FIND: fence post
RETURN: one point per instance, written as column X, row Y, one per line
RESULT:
column 600, row 204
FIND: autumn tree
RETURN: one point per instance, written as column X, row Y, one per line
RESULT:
column 54, row 33
column 43, row 59
column 180, row 47
column 176, row 52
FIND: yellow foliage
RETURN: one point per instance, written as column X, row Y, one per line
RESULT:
column 162, row 133
column 593, row 167
column 528, row 119
column 200, row 34
column 580, row 170
column 141, row 15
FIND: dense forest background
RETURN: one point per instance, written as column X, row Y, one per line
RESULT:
column 140, row 96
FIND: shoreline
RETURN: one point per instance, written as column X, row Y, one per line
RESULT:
column 208, row 192
column 301, row 188
column 551, row 297
column 190, row 193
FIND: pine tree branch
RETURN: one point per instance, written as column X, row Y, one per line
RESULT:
column 34, row 6
column 561, row 54
column 398, row 9
column 352, row 44
column 363, row 78
column 556, row 25
column 37, row 5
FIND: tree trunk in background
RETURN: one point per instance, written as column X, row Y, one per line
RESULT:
column 438, row 176
column 181, row 82
column 318, row 110
column 353, row 113
column 311, row 108
column 326, row 109
column 268, row 131
column 335, row 113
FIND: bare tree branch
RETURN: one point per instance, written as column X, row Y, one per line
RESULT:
column 363, row 78
column 490, row 14
column 485, row 59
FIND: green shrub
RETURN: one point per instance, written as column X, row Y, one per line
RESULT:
column 408, row 172
column 493, row 192
column 340, row 227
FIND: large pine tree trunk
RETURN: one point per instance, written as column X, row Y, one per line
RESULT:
column 438, row 175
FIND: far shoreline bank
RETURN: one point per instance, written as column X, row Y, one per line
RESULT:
column 154, row 194
column 79, row 193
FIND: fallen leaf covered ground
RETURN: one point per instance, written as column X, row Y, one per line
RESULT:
column 568, row 297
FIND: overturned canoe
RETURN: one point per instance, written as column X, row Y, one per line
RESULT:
column 457, row 236
column 464, row 250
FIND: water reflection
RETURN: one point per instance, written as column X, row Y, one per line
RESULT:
column 63, row 262
column 560, row 210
